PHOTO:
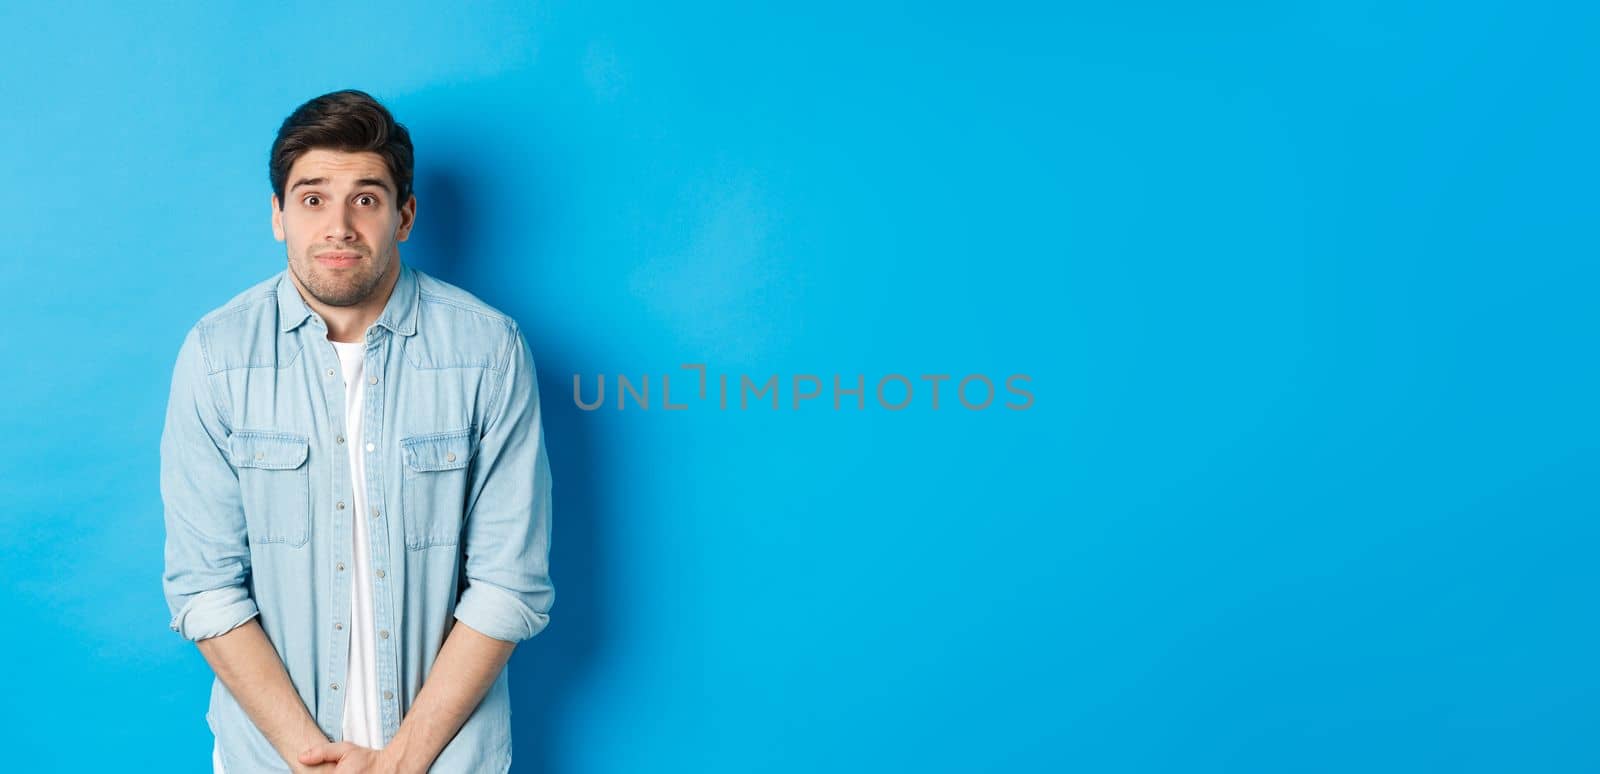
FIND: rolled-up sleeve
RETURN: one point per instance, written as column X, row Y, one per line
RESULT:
column 508, row 593
column 207, row 551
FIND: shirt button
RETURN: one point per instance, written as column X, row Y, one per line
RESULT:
column 330, row 372
column 338, row 627
column 388, row 695
column 383, row 633
column 372, row 380
column 372, row 447
column 334, row 686
column 380, row 573
column 374, row 511
column 261, row 456
column 339, row 567
column 450, row 457
column 340, row 439
column 340, row 506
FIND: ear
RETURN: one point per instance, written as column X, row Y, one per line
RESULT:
column 277, row 219
column 408, row 217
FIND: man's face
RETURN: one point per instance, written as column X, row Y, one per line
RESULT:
column 341, row 225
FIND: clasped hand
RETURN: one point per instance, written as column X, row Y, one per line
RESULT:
column 346, row 758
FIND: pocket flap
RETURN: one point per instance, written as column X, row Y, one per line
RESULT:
column 438, row 451
column 268, row 449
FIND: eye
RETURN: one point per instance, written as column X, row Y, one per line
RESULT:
column 311, row 200
column 367, row 199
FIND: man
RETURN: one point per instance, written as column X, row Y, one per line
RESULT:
column 357, row 496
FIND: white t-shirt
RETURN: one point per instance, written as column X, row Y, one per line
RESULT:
column 363, row 723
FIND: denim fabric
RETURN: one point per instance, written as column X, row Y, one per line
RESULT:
column 255, row 480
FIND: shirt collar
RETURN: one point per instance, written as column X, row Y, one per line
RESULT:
column 399, row 314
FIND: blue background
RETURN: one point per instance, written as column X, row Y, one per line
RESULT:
column 1306, row 291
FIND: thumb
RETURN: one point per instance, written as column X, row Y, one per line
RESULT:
column 327, row 752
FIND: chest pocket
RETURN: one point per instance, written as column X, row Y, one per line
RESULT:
column 274, row 485
column 434, row 493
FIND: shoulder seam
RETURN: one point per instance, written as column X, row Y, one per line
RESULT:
column 211, row 388
column 212, row 317
column 481, row 311
column 504, row 365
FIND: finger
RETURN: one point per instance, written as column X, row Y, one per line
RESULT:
column 326, row 753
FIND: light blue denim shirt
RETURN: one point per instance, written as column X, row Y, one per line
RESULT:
column 255, row 479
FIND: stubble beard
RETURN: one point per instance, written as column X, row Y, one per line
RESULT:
column 341, row 288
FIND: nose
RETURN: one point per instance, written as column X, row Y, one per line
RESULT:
column 340, row 227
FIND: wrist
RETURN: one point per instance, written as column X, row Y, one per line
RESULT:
column 306, row 738
column 394, row 760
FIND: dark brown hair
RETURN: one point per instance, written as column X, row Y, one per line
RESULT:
column 350, row 121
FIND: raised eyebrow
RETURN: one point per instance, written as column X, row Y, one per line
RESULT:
column 376, row 182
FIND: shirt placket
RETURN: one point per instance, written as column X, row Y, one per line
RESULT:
column 374, row 405
column 333, row 690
